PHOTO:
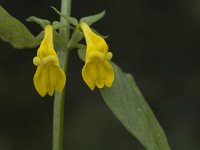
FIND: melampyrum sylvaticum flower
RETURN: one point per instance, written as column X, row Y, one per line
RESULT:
column 48, row 76
column 97, row 70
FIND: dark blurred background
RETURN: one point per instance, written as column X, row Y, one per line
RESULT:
column 157, row 41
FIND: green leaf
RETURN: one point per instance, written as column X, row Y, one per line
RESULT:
column 41, row 22
column 129, row 106
column 81, row 53
column 94, row 18
column 14, row 32
column 71, row 20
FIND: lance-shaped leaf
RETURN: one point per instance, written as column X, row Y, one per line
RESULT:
column 129, row 106
column 94, row 18
column 14, row 32
column 41, row 22
column 81, row 52
column 71, row 20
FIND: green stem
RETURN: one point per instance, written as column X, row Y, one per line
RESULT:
column 59, row 98
column 65, row 10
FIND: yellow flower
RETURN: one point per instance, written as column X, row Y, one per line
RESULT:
column 97, row 70
column 48, row 76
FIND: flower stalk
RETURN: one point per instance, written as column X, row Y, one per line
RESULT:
column 59, row 98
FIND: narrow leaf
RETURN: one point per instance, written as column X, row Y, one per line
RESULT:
column 129, row 106
column 41, row 22
column 94, row 18
column 81, row 53
column 14, row 32
column 71, row 20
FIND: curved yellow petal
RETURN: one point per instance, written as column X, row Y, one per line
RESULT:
column 108, row 68
column 50, row 91
column 98, row 74
column 105, row 74
column 41, row 80
column 57, row 78
column 49, row 78
column 101, row 74
column 89, row 74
